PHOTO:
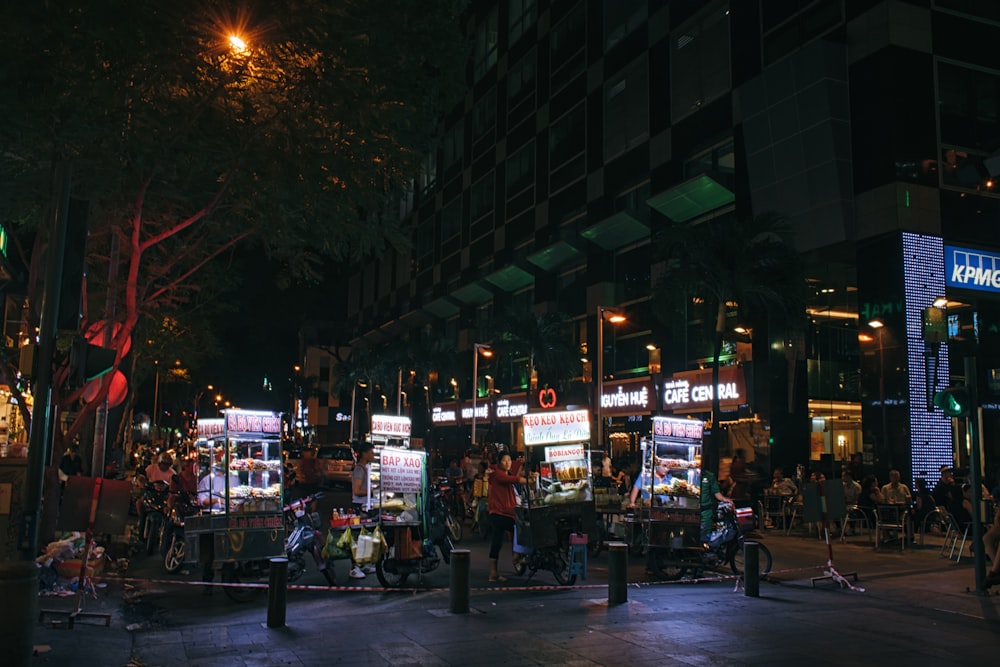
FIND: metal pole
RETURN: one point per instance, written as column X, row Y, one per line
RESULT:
column 881, row 390
column 600, row 376
column 975, row 473
column 617, row 570
column 354, row 400
column 156, row 402
column 475, row 389
column 399, row 391
column 751, row 569
column 277, row 586
column 461, row 560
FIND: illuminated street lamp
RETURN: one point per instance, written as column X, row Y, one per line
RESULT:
column 615, row 318
column 486, row 351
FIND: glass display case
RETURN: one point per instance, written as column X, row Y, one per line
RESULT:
column 676, row 452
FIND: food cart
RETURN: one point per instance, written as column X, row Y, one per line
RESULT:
column 559, row 500
column 671, row 516
column 392, row 431
column 245, row 522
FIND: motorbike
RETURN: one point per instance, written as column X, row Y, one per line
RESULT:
column 722, row 548
column 154, row 511
column 556, row 559
column 450, row 499
column 399, row 561
column 304, row 538
column 172, row 538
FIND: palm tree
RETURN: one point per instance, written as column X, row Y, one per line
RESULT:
column 541, row 342
column 729, row 264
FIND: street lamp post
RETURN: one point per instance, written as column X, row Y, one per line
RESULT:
column 487, row 351
column 615, row 318
column 879, row 325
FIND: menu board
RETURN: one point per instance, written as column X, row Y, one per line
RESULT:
column 401, row 470
column 554, row 427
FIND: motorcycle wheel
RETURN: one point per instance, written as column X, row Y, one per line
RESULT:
column 763, row 559
column 153, row 528
column 664, row 567
column 390, row 572
column 455, row 529
column 296, row 567
column 519, row 564
column 174, row 558
column 561, row 568
column 231, row 575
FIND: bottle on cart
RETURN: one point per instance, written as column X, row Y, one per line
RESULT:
column 336, row 515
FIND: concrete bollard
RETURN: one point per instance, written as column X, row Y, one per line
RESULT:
column 19, row 613
column 461, row 561
column 617, row 573
column 751, row 570
column 277, row 587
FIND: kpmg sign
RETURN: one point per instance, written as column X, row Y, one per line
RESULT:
column 971, row 269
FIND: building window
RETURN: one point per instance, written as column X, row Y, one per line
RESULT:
column 452, row 150
column 567, row 52
column 620, row 18
column 699, row 62
column 451, row 227
column 521, row 80
column 521, row 170
column 521, row 15
column 719, row 163
column 484, row 115
column 567, row 146
column 406, row 201
column 428, row 172
column 485, row 48
column 481, row 206
column 424, row 245
column 626, row 110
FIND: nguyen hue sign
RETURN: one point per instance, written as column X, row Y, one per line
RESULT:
column 692, row 391
column 555, row 427
column 971, row 269
column 628, row 397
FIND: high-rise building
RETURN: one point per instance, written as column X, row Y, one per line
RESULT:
column 590, row 126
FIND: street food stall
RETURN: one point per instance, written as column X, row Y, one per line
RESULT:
column 245, row 520
column 672, row 514
column 560, row 497
column 387, row 431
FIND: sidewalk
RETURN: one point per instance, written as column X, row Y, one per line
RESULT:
column 914, row 604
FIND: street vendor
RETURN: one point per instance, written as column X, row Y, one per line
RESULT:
column 212, row 488
column 711, row 494
column 644, row 482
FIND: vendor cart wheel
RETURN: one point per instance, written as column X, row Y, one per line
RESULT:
column 454, row 528
column 666, row 568
column 561, row 569
column 174, row 558
column 231, row 575
column 519, row 563
column 391, row 572
column 154, row 526
column 763, row 559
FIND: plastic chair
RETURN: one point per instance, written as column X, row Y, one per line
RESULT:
column 855, row 517
column 891, row 519
column 937, row 517
column 955, row 533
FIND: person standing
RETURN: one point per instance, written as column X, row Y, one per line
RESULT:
column 710, row 495
column 360, row 479
column 71, row 464
column 501, row 503
column 740, row 477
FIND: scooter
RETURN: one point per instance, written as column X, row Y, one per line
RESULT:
column 398, row 561
column 305, row 538
column 721, row 548
column 172, row 540
column 154, row 506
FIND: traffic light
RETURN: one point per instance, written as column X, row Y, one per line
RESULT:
column 87, row 362
column 954, row 401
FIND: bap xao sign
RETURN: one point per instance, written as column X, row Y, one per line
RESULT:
column 971, row 269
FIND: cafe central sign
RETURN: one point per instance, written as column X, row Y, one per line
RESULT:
column 691, row 391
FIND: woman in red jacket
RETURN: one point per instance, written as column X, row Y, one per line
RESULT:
column 501, row 502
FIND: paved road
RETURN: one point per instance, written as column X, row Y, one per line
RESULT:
column 915, row 605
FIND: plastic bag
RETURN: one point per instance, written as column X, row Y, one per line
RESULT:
column 355, row 547
column 332, row 549
column 379, row 544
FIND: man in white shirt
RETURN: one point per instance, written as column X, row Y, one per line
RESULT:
column 212, row 489
column 894, row 492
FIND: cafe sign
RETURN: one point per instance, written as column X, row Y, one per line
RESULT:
column 511, row 409
column 444, row 415
column 692, row 391
column 628, row 397
column 542, row 428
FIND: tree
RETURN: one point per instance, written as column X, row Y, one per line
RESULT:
column 728, row 264
column 541, row 342
column 297, row 137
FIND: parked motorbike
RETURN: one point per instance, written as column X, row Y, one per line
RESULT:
column 154, row 512
column 451, row 499
column 304, row 538
column 723, row 548
column 398, row 562
column 555, row 559
column 172, row 540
